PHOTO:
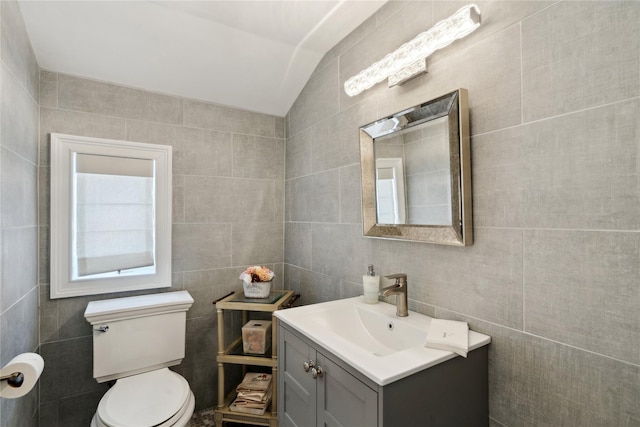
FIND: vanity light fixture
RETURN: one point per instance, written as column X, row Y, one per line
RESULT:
column 409, row 60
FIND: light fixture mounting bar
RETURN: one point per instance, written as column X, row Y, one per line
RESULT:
column 409, row 59
column 408, row 73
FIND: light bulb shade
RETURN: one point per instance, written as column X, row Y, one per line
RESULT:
column 445, row 32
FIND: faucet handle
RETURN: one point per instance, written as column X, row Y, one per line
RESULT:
column 399, row 277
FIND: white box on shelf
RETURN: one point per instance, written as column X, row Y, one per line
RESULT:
column 256, row 336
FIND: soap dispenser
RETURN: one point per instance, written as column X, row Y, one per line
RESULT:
column 371, row 285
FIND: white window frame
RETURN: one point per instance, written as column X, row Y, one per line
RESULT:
column 63, row 149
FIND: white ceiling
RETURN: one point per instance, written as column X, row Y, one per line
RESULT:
column 254, row 55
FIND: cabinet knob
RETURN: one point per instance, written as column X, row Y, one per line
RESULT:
column 308, row 365
column 317, row 372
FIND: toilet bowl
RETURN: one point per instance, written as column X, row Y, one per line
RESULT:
column 159, row 398
column 135, row 340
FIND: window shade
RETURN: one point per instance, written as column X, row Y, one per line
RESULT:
column 114, row 214
column 109, row 165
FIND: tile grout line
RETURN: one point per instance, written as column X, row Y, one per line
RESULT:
column 521, row 78
column 524, row 318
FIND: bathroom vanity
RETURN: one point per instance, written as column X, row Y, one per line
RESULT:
column 370, row 379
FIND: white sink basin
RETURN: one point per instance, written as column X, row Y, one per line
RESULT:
column 371, row 338
column 369, row 327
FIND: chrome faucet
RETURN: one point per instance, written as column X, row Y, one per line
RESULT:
column 399, row 288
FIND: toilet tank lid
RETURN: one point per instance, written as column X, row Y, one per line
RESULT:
column 142, row 305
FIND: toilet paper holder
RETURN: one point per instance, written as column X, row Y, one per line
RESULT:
column 20, row 375
column 14, row 380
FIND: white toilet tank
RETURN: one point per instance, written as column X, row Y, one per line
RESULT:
column 141, row 333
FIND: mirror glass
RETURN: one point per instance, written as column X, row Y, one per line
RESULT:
column 416, row 173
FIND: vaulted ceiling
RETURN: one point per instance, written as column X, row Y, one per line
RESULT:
column 254, row 55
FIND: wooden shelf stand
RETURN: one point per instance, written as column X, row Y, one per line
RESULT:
column 233, row 354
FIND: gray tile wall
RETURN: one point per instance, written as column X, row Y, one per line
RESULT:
column 554, row 90
column 228, row 212
column 18, row 205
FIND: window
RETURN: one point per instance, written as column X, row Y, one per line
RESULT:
column 110, row 216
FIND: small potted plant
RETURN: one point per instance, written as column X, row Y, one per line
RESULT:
column 256, row 281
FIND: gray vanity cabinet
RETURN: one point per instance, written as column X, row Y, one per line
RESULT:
column 453, row 393
column 333, row 398
column 298, row 407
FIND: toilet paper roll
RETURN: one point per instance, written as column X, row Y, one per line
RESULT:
column 30, row 365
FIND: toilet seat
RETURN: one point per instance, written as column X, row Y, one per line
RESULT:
column 157, row 398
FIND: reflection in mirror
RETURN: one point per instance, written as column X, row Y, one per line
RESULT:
column 416, row 175
column 390, row 190
column 110, row 216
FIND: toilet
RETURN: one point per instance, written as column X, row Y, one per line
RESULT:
column 135, row 340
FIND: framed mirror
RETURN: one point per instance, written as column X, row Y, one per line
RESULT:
column 416, row 173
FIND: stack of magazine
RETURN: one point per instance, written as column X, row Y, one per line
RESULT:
column 254, row 394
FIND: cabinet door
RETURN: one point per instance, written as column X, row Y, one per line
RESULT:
column 343, row 400
column 297, row 389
